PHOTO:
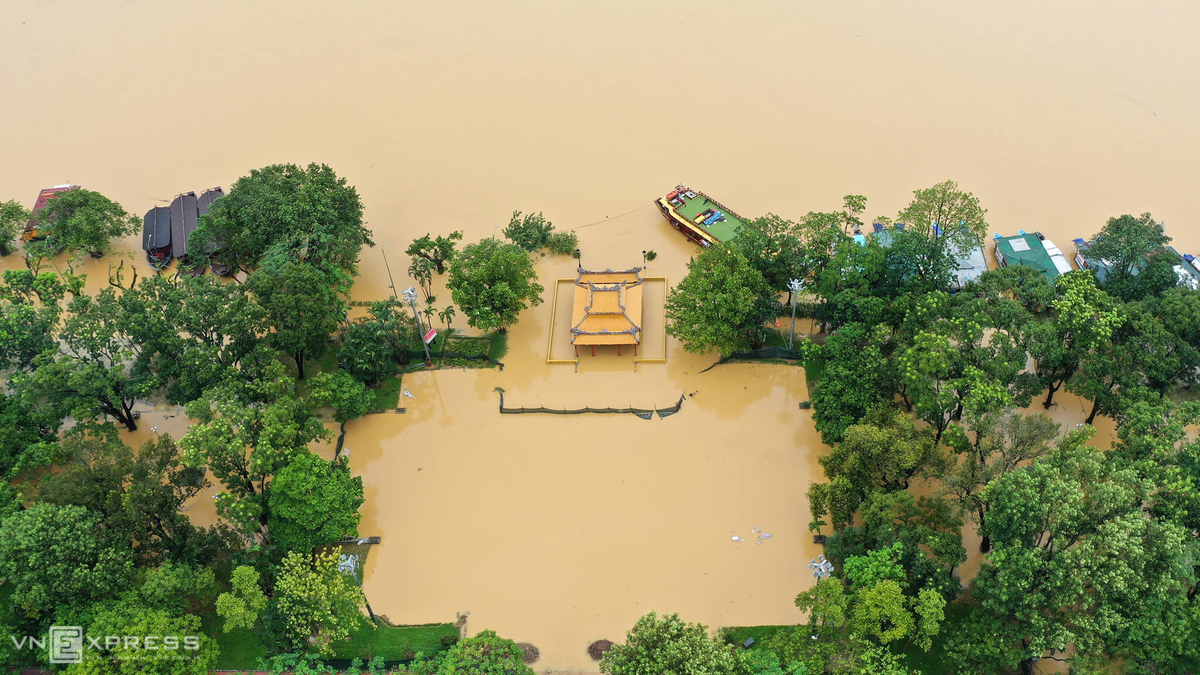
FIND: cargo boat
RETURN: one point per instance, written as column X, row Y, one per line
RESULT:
column 700, row 218
column 31, row 232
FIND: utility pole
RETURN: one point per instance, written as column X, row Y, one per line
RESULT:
column 410, row 294
column 794, row 286
column 348, row 564
column 389, row 268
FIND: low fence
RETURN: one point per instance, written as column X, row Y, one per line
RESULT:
column 414, row 355
column 761, row 354
column 644, row 413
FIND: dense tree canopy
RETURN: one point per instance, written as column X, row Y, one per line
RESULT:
column 660, row 646
column 722, row 304
column 60, row 556
column 302, row 214
column 492, row 283
column 82, row 221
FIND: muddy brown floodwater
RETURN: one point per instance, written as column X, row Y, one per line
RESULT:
column 562, row 530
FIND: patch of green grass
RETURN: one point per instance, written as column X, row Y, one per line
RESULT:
column 240, row 648
column 934, row 661
column 387, row 394
column 394, row 643
column 736, row 635
column 499, row 346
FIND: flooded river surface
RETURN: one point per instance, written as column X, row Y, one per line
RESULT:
column 561, row 530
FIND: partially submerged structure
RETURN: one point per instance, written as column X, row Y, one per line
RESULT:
column 1032, row 250
column 156, row 237
column 185, row 216
column 1187, row 270
column 607, row 309
column 969, row 262
column 204, row 204
column 1098, row 267
column 31, row 232
column 702, row 219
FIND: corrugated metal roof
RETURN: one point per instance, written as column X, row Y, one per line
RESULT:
column 184, row 218
column 156, row 228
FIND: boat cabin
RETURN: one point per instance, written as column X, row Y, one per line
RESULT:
column 156, row 237
column 185, row 216
column 1033, row 250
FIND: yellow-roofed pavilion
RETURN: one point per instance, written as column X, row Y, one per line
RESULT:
column 607, row 310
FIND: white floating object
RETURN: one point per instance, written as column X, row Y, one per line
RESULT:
column 736, row 538
column 409, row 394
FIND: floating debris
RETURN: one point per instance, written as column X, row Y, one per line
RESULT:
column 408, row 394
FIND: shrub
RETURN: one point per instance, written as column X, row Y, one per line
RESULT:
column 530, row 232
column 563, row 243
column 651, row 255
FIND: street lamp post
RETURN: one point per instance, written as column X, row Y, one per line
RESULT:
column 410, row 294
column 348, row 564
column 389, row 269
column 794, row 286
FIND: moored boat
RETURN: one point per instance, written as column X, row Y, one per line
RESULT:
column 1033, row 250
column 156, row 237
column 700, row 218
column 31, row 232
column 204, row 204
column 185, row 217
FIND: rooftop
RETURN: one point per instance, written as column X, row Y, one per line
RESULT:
column 1034, row 251
column 607, row 308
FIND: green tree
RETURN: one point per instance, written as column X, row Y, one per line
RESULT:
column 421, row 271
column 1083, row 319
column 484, row 654
column 139, row 497
column 196, row 332
column 245, row 436
column 855, row 377
column 243, row 605
column 349, row 398
column 492, row 283
column 880, row 454
column 13, row 218
column 530, row 232
column 317, row 604
column 60, row 556
column 947, row 213
column 1125, row 243
column 307, row 215
column 165, row 643
column 30, row 314
column 989, row 446
column 314, row 502
column 1076, row 559
column 373, row 346
column 437, row 251
column 722, row 303
column 301, row 307
column 83, row 221
column 562, row 243
column 657, row 646
column 775, row 247
column 96, row 371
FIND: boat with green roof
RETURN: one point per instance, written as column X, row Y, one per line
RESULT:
column 700, row 218
column 1033, row 250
